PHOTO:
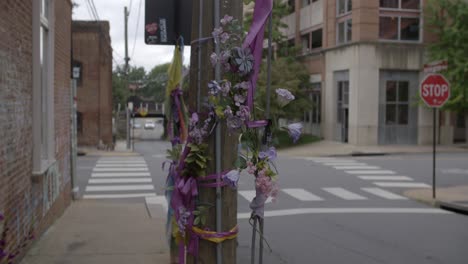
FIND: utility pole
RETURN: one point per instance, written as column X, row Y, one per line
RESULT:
column 203, row 23
column 126, row 74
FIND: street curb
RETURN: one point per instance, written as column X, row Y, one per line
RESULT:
column 454, row 207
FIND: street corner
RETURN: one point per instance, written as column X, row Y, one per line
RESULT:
column 450, row 198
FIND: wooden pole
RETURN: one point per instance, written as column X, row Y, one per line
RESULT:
column 202, row 72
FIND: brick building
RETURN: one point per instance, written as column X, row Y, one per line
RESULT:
column 92, row 50
column 35, row 182
column 365, row 59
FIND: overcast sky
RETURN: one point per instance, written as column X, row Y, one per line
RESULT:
column 113, row 11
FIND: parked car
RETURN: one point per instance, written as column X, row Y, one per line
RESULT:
column 137, row 125
column 149, row 125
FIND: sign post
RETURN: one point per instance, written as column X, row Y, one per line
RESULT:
column 434, row 91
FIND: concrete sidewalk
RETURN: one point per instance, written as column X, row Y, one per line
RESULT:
column 452, row 198
column 94, row 232
column 333, row 148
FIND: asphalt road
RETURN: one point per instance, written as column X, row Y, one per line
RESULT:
column 342, row 210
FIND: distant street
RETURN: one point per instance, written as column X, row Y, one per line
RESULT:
column 330, row 210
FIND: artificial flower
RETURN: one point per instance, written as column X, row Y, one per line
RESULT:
column 231, row 178
column 294, row 131
column 226, row 19
column 284, row 96
column 270, row 154
column 243, row 60
column 214, row 87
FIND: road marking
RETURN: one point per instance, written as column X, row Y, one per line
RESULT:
column 121, row 165
column 121, row 162
column 125, row 180
column 371, row 172
column 114, row 196
column 122, row 159
column 119, row 188
column 249, row 195
column 385, row 178
column 344, row 194
column 345, row 164
column 384, row 194
column 120, row 174
column 332, row 160
column 302, row 194
column 402, row 184
column 300, row 211
column 120, row 169
column 356, row 167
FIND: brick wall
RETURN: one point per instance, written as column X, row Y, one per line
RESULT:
column 21, row 195
column 91, row 47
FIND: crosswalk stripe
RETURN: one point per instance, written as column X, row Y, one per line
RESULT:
column 122, row 159
column 370, row 172
column 120, row 169
column 124, row 180
column 402, row 184
column 356, row 167
column 344, row 194
column 142, row 165
column 302, row 194
column 116, row 196
column 95, row 188
column 384, row 194
column 250, row 195
column 100, row 162
column 120, row 174
column 385, row 178
column 345, row 164
column 332, row 160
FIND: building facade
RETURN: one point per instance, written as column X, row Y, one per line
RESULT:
column 365, row 59
column 35, row 181
column 92, row 51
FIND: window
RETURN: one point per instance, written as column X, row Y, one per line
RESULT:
column 305, row 43
column 400, row 20
column 43, row 118
column 400, row 28
column 313, row 116
column 345, row 31
column 343, row 7
column 401, row 4
column 317, row 39
column 343, row 99
column 397, row 106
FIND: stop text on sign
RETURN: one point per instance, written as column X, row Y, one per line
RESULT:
column 434, row 90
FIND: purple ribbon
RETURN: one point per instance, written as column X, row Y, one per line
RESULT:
column 256, row 124
column 254, row 41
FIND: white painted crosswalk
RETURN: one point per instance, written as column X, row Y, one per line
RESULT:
column 120, row 178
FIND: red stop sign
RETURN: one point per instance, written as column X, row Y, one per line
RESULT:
column 434, row 90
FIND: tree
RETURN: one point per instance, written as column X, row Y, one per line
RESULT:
column 448, row 19
column 120, row 91
column 155, row 84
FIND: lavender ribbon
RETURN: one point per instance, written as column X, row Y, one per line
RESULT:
column 254, row 41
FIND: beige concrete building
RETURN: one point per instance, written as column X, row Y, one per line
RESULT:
column 365, row 59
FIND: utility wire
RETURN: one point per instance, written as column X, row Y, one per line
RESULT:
column 95, row 10
column 136, row 29
column 130, row 7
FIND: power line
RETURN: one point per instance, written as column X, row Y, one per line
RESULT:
column 89, row 10
column 130, row 7
column 136, row 30
column 95, row 10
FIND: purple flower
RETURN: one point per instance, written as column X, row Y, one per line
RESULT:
column 2, row 254
column 239, row 99
column 217, row 32
column 183, row 219
column 243, row 113
column 234, row 122
column 214, row 58
column 225, row 87
column 243, row 60
column 294, row 131
column 270, row 154
column 242, row 85
column 228, row 112
column 284, row 96
column 224, row 37
column 1, row 217
column 231, row 178
column 226, row 19
column 194, row 120
column 214, row 87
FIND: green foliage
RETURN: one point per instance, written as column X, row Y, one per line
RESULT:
column 174, row 153
column 155, row 85
column 196, row 161
column 282, row 140
column 288, row 73
column 448, row 19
